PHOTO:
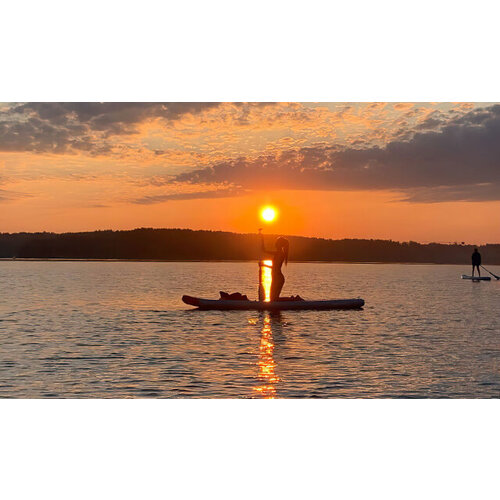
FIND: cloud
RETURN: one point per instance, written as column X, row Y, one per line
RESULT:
column 155, row 129
column 11, row 195
column 404, row 105
column 438, row 194
column 217, row 193
column 112, row 117
column 462, row 155
column 176, row 133
column 64, row 127
column 39, row 136
column 109, row 127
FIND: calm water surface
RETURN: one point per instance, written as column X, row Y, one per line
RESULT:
column 120, row 330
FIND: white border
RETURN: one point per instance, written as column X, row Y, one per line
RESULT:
column 264, row 50
column 249, row 449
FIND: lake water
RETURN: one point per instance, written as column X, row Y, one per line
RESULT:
column 120, row 330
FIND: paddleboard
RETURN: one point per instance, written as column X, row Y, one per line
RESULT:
column 476, row 278
column 286, row 305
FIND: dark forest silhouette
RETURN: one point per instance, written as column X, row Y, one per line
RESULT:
column 186, row 244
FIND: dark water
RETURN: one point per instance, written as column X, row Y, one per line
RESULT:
column 119, row 330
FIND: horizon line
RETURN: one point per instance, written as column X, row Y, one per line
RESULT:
column 427, row 242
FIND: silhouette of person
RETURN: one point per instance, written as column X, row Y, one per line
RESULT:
column 476, row 261
column 279, row 256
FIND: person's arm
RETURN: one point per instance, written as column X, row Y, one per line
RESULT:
column 263, row 247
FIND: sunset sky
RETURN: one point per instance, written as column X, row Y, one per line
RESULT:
column 404, row 171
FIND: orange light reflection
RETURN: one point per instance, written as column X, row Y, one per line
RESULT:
column 266, row 364
column 266, row 278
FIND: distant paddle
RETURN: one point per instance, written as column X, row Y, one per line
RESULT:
column 494, row 275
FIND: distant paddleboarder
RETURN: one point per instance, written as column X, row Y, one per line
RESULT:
column 476, row 261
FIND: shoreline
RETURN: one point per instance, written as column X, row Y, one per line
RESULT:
column 61, row 259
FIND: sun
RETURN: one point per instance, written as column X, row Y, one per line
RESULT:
column 268, row 214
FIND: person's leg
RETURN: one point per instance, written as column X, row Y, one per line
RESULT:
column 478, row 271
column 279, row 286
column 473, row 266
column 276, row 287
column 272, row 292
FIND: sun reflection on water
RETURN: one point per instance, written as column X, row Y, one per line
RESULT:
column 268, row 379
column 265, row 278
column 267, row 376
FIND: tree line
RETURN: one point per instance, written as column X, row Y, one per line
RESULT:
column 186, row 244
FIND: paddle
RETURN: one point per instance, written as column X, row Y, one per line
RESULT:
column 494, row 275
column 262, row 292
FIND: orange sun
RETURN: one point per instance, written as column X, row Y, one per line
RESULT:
column 268, row 214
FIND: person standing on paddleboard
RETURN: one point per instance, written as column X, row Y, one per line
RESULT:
column 279, row 256
column 476, row 262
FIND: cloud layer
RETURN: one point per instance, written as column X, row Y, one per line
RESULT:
column 157, row 152
column 459, row 161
